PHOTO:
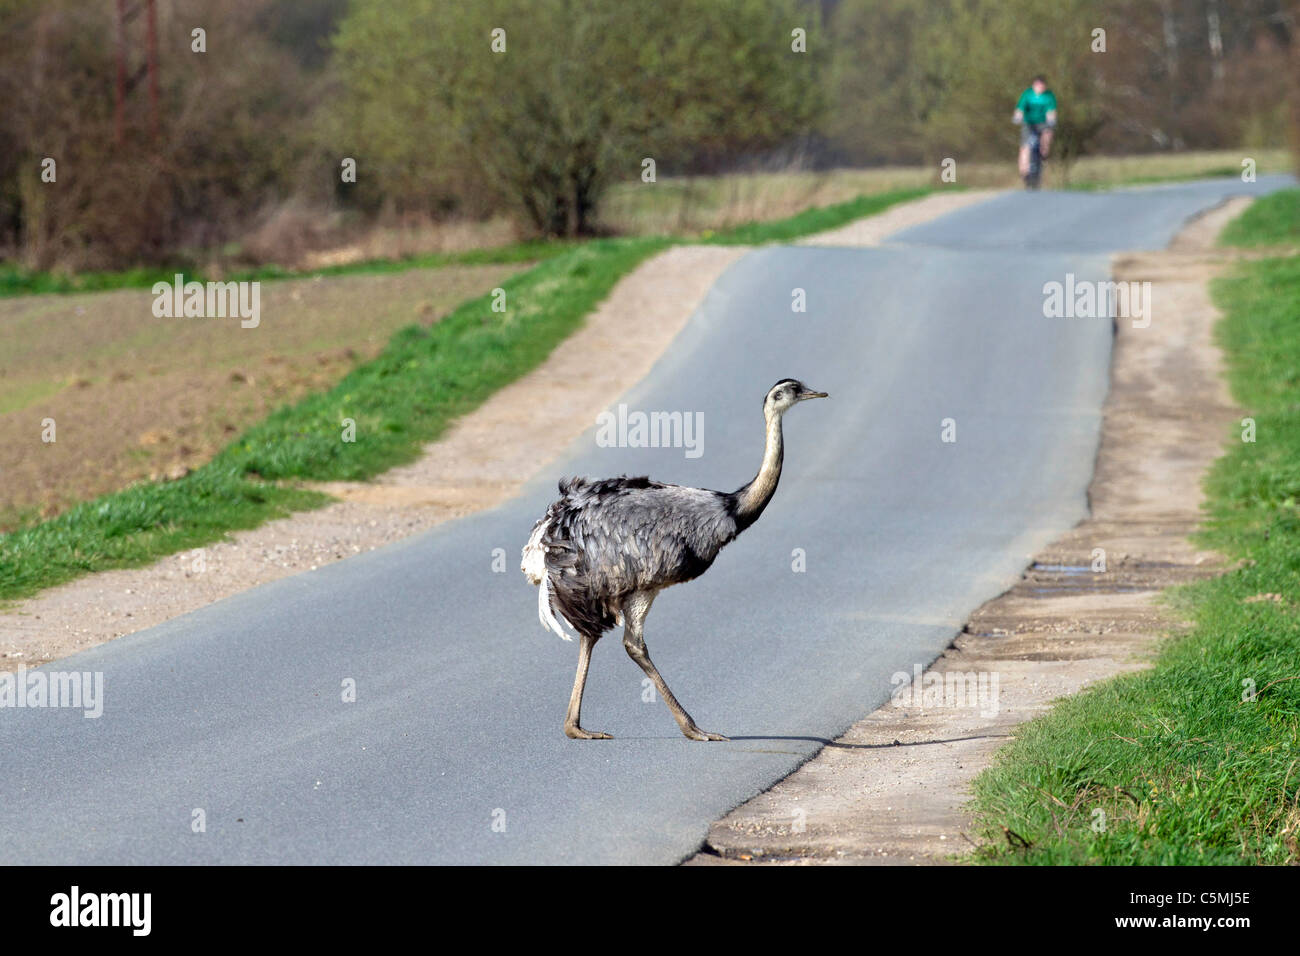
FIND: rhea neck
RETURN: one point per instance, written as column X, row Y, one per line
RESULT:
column 753, row 498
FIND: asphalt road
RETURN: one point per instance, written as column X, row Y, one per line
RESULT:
column 453, row 750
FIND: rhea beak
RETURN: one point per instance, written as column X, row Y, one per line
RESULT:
column 813, row 395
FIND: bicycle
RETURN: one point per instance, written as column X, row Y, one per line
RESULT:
column 1033, row 138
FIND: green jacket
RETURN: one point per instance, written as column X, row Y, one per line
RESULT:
column 1036, row 106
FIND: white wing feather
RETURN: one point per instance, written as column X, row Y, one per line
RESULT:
column 534, row 567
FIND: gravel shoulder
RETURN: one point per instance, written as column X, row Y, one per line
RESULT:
column 893, row 789
column 485, row 459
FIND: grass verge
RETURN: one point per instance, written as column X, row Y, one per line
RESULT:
column 1272, row 222
column 15, row 280
column 1197, row 760
column 1221, row 172
column 812, row 221
column 401, row 400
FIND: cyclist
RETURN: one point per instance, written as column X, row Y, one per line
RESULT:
column 1036, row 112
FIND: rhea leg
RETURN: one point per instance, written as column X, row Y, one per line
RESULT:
column 635, row 610
column 572, row 719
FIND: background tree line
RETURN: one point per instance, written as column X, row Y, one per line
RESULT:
column 252, row 132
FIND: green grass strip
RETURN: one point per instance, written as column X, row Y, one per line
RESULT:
column 1273, row 221
column 815, row 220
column 15, row 280
column 140, row 524
column 1102, row 185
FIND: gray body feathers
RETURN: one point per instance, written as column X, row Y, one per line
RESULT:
column 603, row 541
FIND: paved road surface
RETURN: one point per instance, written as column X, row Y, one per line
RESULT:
column 236, row 709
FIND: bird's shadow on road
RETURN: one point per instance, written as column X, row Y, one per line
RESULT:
column 897, row 743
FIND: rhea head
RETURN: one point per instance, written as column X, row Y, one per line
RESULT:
column 787, row 393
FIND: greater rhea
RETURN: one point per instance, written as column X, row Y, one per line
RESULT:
column 603, row 551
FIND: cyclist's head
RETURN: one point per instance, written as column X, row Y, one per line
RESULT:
column 1039, row 83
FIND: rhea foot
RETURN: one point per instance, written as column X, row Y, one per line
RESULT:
column 574, row 732
column 696, row 734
